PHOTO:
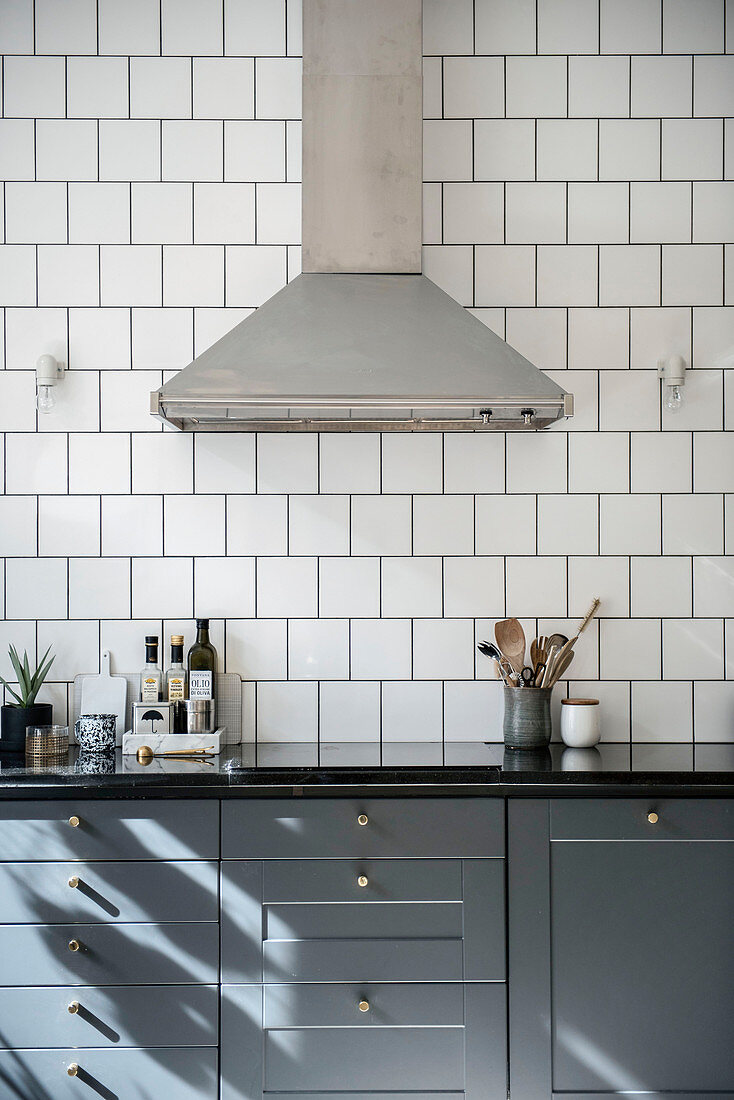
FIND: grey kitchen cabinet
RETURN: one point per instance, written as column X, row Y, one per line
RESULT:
column 363, row 950
column 160, row 1073
column 367, row 1039
column 109, row 891
column 376, row 828
column 414, row 920
column 621, row 948
column 109, row 949
column 109, row 1016
column 133, row 828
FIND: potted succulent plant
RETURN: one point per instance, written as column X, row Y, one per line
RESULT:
column 24, row 711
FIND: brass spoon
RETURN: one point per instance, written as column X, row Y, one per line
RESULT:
column 510, row 638
column 145, row 754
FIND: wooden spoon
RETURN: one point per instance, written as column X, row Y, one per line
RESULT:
column 538, row 651
column 560, row 667
column 511, row 640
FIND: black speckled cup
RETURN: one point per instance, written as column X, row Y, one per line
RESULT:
column 527, row 721
column 96, row 732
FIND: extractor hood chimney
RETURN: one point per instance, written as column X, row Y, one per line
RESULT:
column 361, row 340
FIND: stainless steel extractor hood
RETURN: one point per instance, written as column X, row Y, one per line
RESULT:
column 361, row 340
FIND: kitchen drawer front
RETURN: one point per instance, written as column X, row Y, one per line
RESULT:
column 50, row 893
column 110, row 1016
column 390, row 1096
column 324, row 828
column 313, row 880
column 113, row 1074
column 465, row 1058
column 426, row 1004
column 115, row 829
column 119, row 954
column 627, row 819
column 344, row 960
column 362, row 940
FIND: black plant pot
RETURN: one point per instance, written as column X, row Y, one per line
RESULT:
column 13, row 721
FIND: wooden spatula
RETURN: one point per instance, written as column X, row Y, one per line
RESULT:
column 510, row 638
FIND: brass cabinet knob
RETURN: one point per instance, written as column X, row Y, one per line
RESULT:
column 72, row 1069
column 652, row 817
column 73, row 1007
column 362, row 880
column 364, row 1006
column 74, row 945
column 362, row 819
column 74, row 822
column 74, row 881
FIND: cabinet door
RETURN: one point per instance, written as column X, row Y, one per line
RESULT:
column 412, row 921
column 422, row 1042
column 642, row 965
column 621, row 951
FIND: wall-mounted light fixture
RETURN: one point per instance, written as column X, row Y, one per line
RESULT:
column 672, row 371
column 49, row 373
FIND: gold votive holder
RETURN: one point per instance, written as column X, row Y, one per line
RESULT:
column 46, row 744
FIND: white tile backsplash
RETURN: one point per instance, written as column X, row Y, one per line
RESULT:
column 318, row 649
column 287, row 587
column 71, row 525
column 99, row 588
column 318, row 525
column 693, row 649
column 411, row 587
column 577, row 202
column 349, row 587
column 349, row 711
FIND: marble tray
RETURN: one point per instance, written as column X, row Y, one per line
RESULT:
column 170, row 742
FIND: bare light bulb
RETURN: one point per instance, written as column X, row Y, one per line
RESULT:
column 45, row 400
column 48, row 373
column 673, row 398
column 672, row 372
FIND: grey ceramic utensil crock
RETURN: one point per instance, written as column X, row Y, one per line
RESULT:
column 527, row 721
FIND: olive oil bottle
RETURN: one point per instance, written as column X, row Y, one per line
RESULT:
column 202, row 664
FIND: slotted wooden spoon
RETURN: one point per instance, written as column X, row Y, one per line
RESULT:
column 510, row 637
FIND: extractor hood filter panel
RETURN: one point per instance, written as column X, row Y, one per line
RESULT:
column 338, row 352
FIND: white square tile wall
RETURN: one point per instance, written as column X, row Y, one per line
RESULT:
column 578, row 200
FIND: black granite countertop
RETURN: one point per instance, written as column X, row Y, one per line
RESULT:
column 408, row 769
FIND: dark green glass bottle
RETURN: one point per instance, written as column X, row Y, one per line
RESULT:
column 202, row 664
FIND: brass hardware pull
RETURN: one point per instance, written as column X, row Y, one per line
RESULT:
column 74, row 945
column 362, row 880
column 652, row 817
column 73, row 1007
column 364, row 1006
column 362, row 819
column 72, row 1070
column 74, row 822
column 74, row 881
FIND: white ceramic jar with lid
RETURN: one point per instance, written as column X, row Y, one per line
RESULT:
column 580, row 722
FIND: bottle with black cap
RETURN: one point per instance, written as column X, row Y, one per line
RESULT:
column 151, row 677
column 202, row 664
